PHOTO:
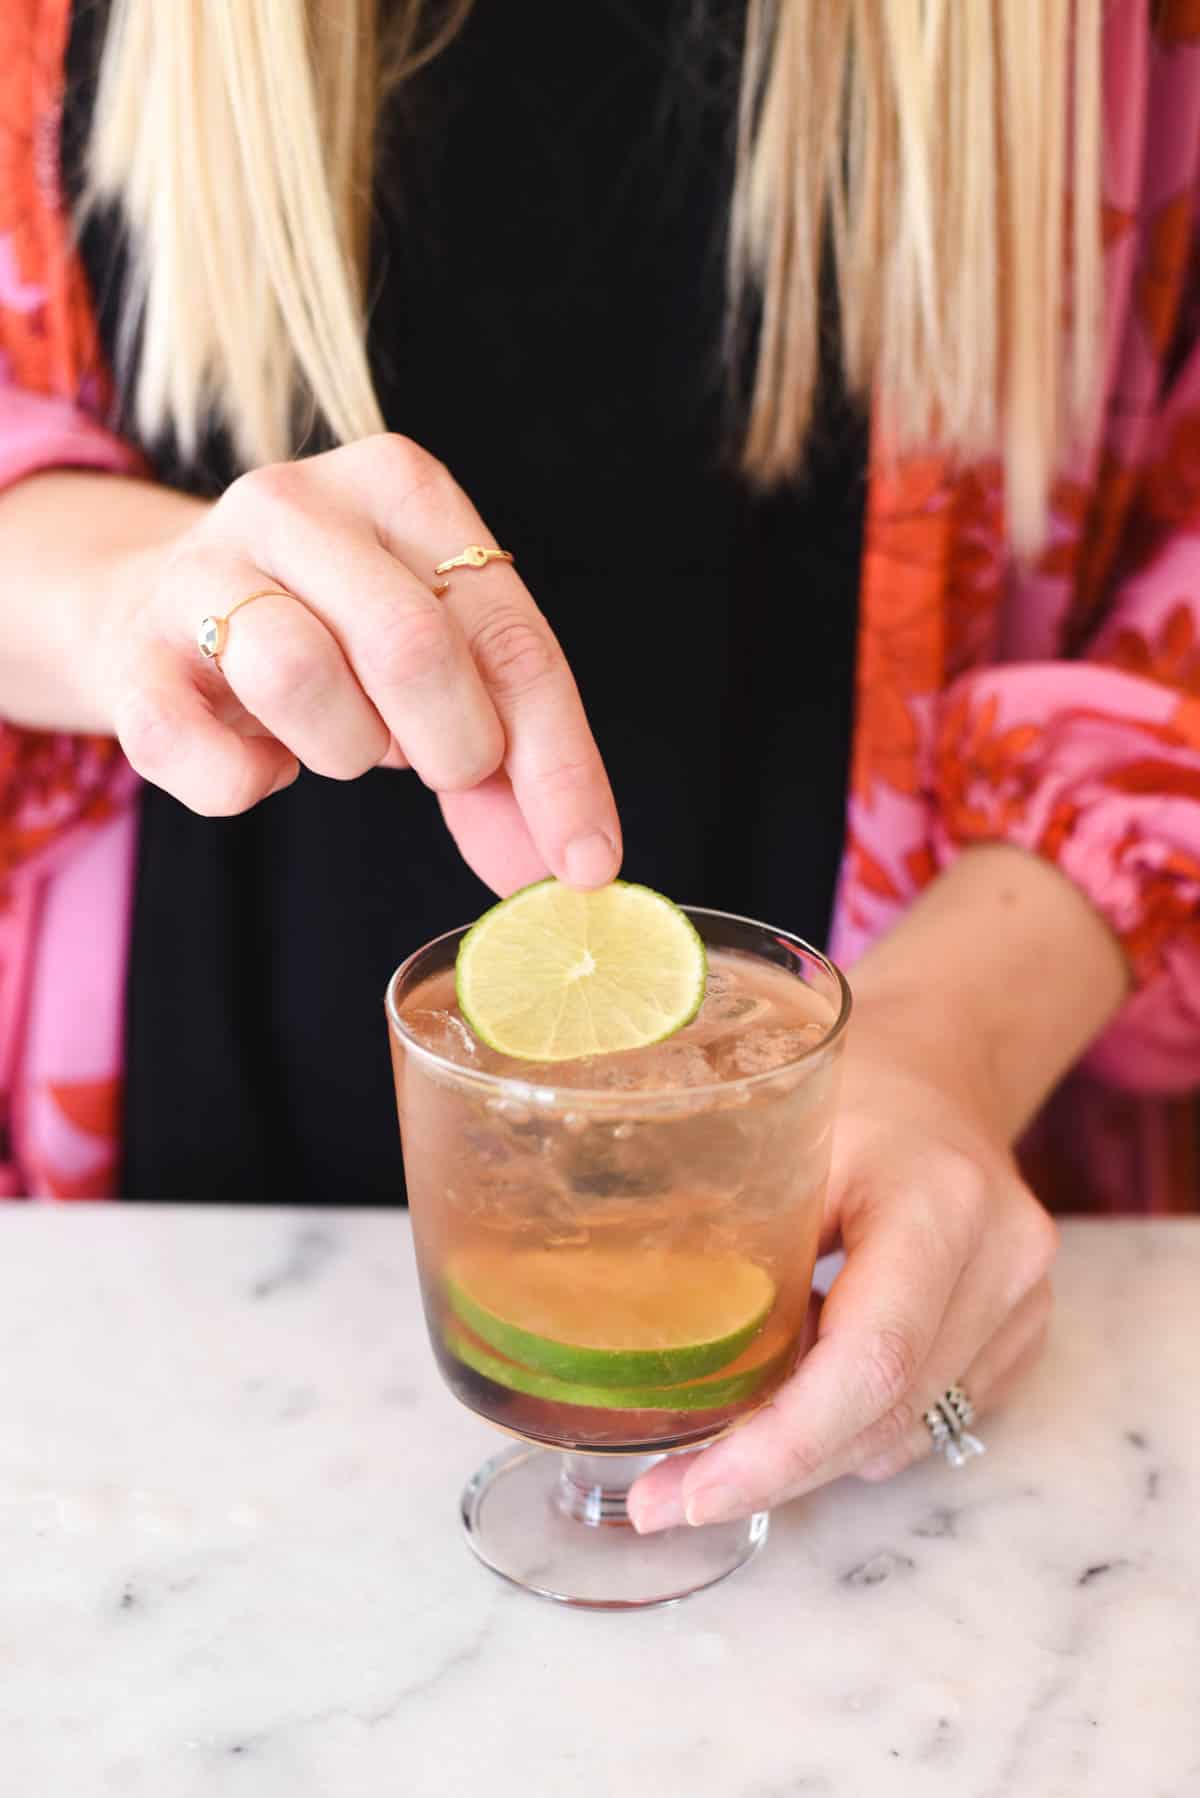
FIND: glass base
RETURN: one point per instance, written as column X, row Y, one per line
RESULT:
column 556, row 1524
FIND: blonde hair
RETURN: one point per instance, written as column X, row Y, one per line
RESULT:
column 946, row 151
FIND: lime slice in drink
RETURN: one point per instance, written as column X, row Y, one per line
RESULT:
column 602, row 1318
column 551, row 974
column 741, row 1380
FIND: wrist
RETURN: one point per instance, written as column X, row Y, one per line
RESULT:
column 96, row 636
column 111, row 619
column 915, row 1039
column 78, row 551
column 991, row 986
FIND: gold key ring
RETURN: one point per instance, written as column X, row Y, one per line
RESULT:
column 474, row 556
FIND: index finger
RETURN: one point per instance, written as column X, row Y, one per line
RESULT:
column 551, row 758
column 877, row 1328
column 557, row 776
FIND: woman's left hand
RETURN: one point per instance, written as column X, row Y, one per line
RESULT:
column 945, row 1282
column 966, row 1016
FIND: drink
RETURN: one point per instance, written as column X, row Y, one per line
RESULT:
column 615, row 1250
column 616, row 1253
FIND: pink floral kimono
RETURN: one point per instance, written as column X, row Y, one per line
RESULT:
column 1056, row 708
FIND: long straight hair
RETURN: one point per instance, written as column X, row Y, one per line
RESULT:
column 944, row 154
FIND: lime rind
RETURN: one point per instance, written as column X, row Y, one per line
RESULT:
column 582, row 1363
column 550, row 974
column 711, row 1394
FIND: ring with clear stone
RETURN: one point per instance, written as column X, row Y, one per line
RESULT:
column 213, row 634
column 948, row 1422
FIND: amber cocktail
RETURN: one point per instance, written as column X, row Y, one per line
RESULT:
column 616, row 1252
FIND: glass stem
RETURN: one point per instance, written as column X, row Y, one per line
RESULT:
column 592, row 1488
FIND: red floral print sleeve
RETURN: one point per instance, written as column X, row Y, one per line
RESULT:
column 51, row 393
column 1057, row 707
column 67, row 822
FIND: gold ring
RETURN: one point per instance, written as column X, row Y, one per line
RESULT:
column 474, row 556
column 214, row 632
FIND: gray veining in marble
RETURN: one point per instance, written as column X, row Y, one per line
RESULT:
column 230, row 1565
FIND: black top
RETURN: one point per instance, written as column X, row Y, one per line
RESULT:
column 547, row 320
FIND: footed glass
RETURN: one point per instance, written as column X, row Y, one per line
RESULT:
column 616, row 1253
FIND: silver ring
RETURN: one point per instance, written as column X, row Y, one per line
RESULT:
column 948, row 1422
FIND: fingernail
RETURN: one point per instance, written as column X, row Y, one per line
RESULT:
column 716, row 1504
column 655, row 1514
column 591, row 860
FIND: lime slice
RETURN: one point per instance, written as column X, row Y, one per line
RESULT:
column 551, row 974
column 742, row 1380
column 603, row 1318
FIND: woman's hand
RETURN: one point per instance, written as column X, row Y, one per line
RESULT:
column 965, row 1017
column 363, row 667
column 947, row 1257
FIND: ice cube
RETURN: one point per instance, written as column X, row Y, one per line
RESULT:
column 511, row 1112
column 734, row 1008
column 575, row 1237
column 715, row 1151
column 445, row 1034
column 763, row 1049
column 493, row 1146
column 525, row 1130
column 601, row 1165
column 664, row 1067
column 514, row 1196
column 729, row 1004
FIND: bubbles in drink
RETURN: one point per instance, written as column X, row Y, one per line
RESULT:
column 663, row 1067
column 654, row 1157
column 765, row 1048
column 755, row 1019
column 509, row 1193
column 446, row 1034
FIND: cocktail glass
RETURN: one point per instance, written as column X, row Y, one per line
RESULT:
column 616, row 1253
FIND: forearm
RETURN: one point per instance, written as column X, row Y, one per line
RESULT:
column 996, row 981
column 70, row 544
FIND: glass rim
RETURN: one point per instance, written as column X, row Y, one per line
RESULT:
column 540, row 1092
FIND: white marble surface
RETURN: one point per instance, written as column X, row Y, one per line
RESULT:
column 230, row 1562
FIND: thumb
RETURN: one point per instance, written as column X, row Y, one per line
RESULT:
column 656, row 1500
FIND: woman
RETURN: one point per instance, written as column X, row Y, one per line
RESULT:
column 537, row 227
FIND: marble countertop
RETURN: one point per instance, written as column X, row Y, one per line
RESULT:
column 230, row 1561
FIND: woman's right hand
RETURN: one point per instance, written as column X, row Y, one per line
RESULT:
column 363, row 667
